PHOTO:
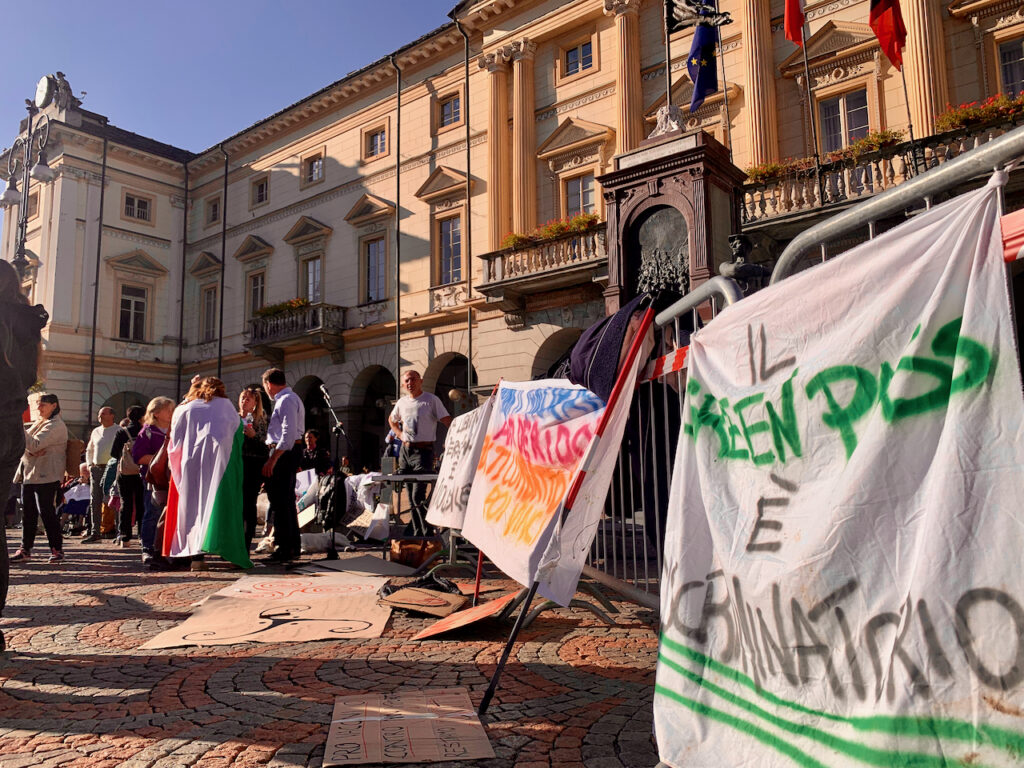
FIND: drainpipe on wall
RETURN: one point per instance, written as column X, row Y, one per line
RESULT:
column 398, row 227
column 223, row 263
column 95, row 291
column 181, row 294
column 469, row 221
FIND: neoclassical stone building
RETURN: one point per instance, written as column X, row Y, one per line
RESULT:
column 383, row 208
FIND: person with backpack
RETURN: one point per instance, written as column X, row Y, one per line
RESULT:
column 20, row 342
column 129, row 476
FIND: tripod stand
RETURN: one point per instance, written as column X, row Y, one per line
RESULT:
column 338, row 431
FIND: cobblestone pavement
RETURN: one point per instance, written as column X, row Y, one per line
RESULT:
column 76, row 692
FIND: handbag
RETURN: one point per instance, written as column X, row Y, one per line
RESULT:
column 159, row 474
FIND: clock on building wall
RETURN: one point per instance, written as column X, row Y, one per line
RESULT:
column 45, row 89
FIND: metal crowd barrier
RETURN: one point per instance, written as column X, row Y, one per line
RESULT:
column 627, row 551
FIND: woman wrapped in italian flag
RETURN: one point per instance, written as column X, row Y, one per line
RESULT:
column 204, row 502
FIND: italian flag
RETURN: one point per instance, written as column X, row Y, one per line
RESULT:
column 204, row 502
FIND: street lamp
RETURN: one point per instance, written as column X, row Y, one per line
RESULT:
column 31, row 146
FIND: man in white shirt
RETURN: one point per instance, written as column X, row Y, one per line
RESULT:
column 97, row 454
column 414, row 420
column 284, row 436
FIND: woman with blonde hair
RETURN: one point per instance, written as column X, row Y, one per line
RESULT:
column 41, row 473
column 204, row 508
column 254, row 455
column 156, row 426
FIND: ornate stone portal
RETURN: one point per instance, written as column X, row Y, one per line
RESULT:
column 671, row 206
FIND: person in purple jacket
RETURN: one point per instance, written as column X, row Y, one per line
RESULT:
column 157, row 424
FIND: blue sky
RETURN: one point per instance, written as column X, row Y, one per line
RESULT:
column 193, row 72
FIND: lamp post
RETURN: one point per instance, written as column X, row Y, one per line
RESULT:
column 31, row 145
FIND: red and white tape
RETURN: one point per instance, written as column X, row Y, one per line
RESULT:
column 670, row 363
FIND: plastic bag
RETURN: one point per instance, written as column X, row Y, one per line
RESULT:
column 380, row 525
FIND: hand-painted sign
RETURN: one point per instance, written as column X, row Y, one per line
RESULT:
column 462, row 448
column 841, row 582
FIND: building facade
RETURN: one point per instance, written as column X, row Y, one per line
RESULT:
column 360, row 231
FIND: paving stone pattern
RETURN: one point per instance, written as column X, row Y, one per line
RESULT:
column 76, row 692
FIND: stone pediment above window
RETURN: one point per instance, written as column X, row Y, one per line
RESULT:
column 443, row 182
column 577, row 141
column 137, row 262
column 369, row 208
column 961, row 9
column 205, row 264
column 682, row 93
column 836, row 44
column 306, row 229
column 252, row 248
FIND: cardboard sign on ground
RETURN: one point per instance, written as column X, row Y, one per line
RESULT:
column 283, row 609
column 363, row 565
column 429, row 726
column 428, row 601
column 466, row 617
column 469, row 589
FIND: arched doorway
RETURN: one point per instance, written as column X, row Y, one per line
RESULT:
column 552, row 352
column 121, row 402
column 367, row 439
column 317, row 416
column 450, row 383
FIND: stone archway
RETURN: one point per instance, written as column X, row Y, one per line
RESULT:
column 367, row 431
column 317, row 416
column 122, row 401
column 446, row 377
column 551, row 352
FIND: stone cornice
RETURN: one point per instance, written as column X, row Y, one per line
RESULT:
column 559, row 107
column 965, row 9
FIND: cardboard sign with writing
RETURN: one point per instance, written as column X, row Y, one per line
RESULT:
column 428, row 601
column 466, row 617
column 429, row 726
column 462, row 446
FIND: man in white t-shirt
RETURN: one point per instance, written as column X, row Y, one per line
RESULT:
column 414, row 420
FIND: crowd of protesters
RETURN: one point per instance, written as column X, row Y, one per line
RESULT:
column 117, row 486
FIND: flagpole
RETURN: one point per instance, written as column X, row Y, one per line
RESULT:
column 668, row 57
column 810, row 112
column 910, row 121
column 725, row 91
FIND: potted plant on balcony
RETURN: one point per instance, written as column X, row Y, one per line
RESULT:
column 281, row 308
column 994, row 110
column 553, row 229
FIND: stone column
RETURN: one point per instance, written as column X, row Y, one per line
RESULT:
column 925, row 59
column 762, row 124
column 630, row 130
column 524, row 141
column 499, row 208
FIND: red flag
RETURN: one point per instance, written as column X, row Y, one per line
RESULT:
column 794, row 22
column 886, row 21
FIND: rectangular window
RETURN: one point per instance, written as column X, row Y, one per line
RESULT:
column 311, row 279
column 451, row 110
column 257, row 282
column 844, row 119
column 132, row 325
column 313, row 169
column 579, row 195
column 213, row 210
column 209, row 329
column 33, row 205
column 579, row 58
column 259, row 192
column 1011, row 67
column 376, row 142
column 139, row 208
column 451, row 250
column 376, row 269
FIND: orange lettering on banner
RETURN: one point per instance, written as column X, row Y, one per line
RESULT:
column 523, row 495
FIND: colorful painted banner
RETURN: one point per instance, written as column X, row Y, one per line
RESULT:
column 462, row 446
column 841, row 583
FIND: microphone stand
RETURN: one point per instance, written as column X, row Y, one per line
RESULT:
column 337, row 430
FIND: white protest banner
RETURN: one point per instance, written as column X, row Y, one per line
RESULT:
column 536, row 437
column 842, row 581
column 462, row 446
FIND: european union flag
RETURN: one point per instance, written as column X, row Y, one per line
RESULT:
column 702, row 64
